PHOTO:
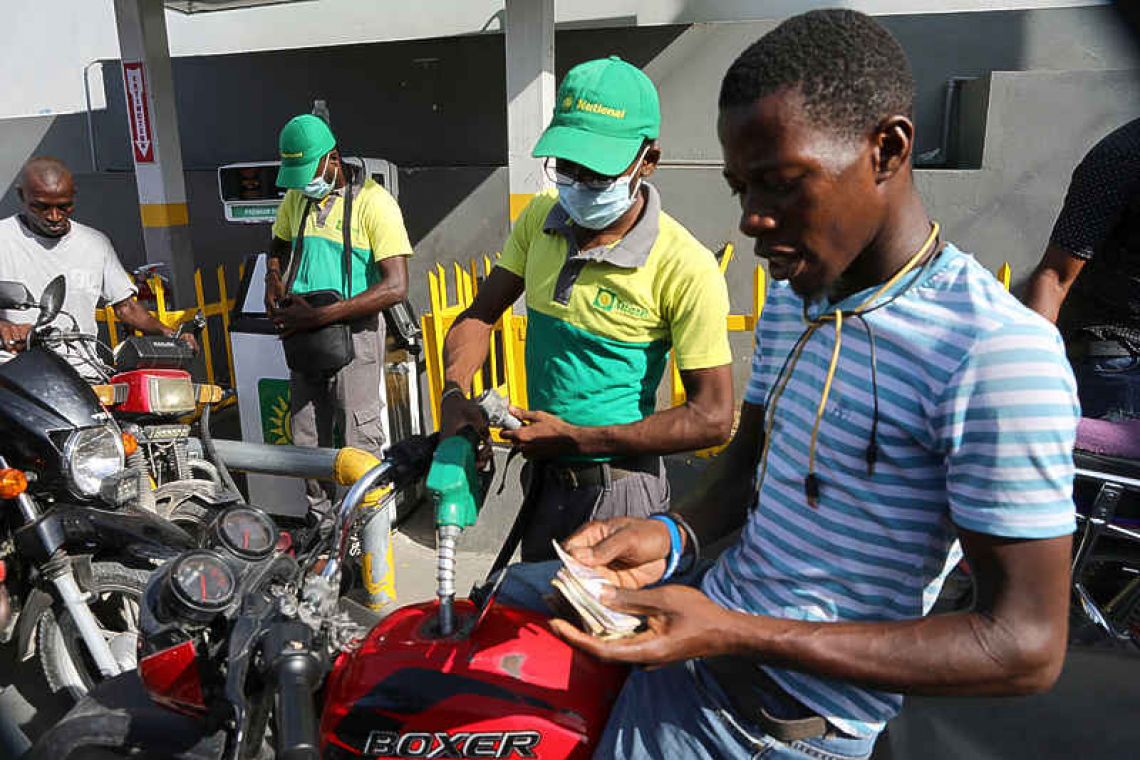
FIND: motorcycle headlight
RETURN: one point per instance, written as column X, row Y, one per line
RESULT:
column 92, row 454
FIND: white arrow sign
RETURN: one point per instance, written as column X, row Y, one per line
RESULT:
column 139, row 114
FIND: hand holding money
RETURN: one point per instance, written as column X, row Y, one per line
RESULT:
column 629, row 552
column 582, row 587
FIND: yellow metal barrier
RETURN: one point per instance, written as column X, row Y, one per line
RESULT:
column 505, row 367
column 175, row 317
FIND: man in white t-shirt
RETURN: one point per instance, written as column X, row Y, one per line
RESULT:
column 42, row 242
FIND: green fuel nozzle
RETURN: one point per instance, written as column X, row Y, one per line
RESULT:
column 457, row 490
column 453, row 482
column 454, row 487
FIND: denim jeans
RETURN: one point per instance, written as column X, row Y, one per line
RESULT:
column 679, row 711
column 1109, row 387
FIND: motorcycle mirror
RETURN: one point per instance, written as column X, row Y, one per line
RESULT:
column 13, row 295
column 51, row 301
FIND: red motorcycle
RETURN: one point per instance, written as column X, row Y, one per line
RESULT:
column 245, row 652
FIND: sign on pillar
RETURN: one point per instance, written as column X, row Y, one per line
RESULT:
column 138, row 106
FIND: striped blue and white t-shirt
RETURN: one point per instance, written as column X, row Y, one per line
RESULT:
column 976, row 421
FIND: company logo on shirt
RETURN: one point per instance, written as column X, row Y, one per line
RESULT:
column 607, row 300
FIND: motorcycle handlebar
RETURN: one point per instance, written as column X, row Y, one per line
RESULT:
column 297, row 674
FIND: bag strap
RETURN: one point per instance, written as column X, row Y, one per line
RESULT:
column 346, row 225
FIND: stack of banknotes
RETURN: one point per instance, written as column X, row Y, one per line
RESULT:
column 582, row 586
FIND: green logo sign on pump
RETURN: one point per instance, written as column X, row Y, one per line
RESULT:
column 273, row 399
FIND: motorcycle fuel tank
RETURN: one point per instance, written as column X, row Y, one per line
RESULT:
column 509, row 688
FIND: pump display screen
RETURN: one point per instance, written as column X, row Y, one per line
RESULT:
column 249, row 183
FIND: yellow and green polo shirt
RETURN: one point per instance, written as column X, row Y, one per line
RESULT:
column 377, row 233
column 601, row 322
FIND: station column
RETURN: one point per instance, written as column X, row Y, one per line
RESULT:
column 148, row 84
column 530, row 93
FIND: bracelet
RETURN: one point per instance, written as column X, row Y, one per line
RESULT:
column 674, row 545
column 694, row 543
column 450, row 391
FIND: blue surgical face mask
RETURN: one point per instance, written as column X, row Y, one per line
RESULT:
column 318, row 186
column 598, row 209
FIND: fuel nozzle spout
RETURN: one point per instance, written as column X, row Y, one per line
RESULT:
column 457, row 491
column 446, row 538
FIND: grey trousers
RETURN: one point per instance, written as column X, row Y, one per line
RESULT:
column 346, row 407
column 559, row 509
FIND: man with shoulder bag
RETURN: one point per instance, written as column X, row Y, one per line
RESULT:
column 338, row 260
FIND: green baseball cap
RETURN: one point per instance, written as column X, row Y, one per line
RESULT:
column 604, row 112
column 304, row 141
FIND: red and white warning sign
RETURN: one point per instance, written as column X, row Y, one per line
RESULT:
column 138, row 112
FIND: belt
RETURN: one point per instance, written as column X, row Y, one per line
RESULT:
column 593, row 474
column 740, row 678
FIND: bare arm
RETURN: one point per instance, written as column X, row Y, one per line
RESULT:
column 14, row 335
column 466, row 345
column 392, row 288
column 1013, row 642
column 275, row 260
column 705, row 419
column 299, row 315
column 468, row 341
column 632, row 552
column 275, row 273
column 131, row 312
column 1051, row 279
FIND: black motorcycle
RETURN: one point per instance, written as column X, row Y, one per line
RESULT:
column 75, row 551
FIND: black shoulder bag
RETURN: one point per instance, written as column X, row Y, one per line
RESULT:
column 325, row 350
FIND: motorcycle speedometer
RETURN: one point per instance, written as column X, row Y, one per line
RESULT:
column 247, row 533
column 200, row 585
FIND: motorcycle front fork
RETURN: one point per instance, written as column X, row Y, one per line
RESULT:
column 61, row 575
column 59, row 571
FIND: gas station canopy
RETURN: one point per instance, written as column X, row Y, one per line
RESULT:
column 206, row 6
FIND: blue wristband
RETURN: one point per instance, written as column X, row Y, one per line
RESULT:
column 674, row 545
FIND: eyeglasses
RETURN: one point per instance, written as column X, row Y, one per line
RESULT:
column 580, row 174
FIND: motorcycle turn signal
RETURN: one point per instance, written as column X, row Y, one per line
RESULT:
column 13, row 482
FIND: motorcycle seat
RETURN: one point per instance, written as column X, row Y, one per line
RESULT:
column 1112, row 448
column 1114, row 439
column 1109, row 447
